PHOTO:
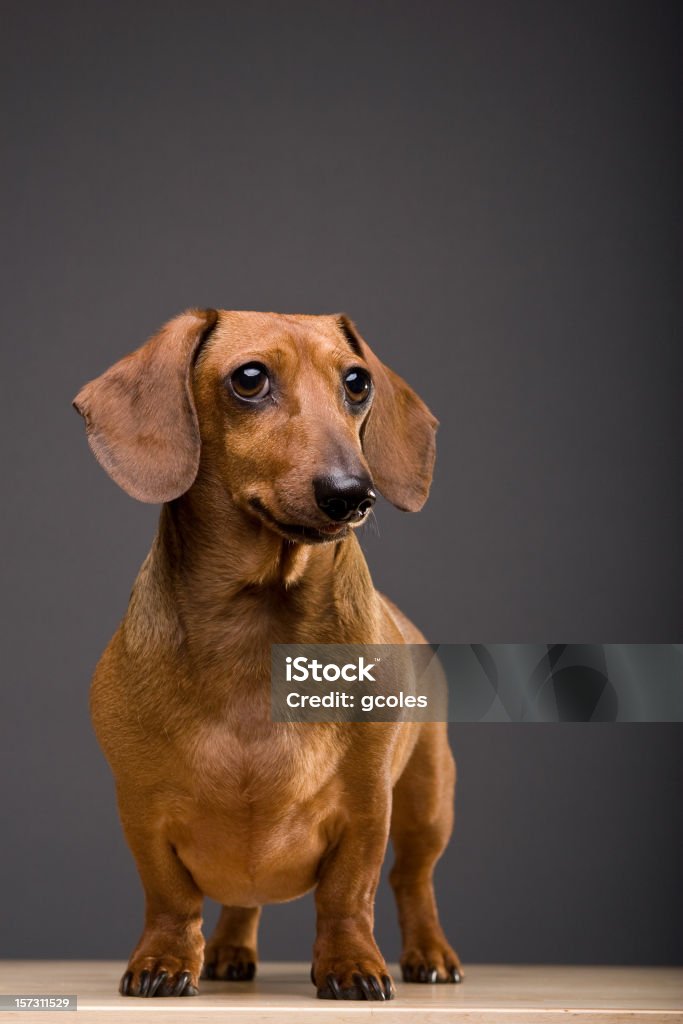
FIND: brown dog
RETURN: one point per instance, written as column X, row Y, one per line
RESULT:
column 262, row 435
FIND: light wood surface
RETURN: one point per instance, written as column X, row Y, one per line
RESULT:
column 282, row 994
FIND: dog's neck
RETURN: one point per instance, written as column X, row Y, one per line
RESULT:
column 218, row 543
column 236, row 587
column 220, row 556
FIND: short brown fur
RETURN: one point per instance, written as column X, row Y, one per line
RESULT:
column 215, row 798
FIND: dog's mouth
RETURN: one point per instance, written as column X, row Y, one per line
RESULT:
column 300, row 532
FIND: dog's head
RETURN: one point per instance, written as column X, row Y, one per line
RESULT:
column 294, row 416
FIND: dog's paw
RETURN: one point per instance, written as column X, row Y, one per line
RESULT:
column 431, row 963
column 160, row 976
column 358, row 979
column 229, row 963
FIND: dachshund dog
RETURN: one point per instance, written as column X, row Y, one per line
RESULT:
column 264, row 436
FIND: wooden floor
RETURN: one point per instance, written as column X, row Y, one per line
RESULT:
column 282, row 993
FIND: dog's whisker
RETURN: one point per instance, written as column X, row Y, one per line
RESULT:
column 372, row 519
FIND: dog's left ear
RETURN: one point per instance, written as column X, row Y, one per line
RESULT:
column 140, row 416
column 399, row 435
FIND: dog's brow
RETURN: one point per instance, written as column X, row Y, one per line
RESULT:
column 274, row 355
column 340, row 353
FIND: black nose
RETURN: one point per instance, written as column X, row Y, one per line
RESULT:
column 344, row 497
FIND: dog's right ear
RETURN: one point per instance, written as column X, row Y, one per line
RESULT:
column 140, row 416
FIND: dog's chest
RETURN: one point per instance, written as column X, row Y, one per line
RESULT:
column 251, row 819
column 252, row 763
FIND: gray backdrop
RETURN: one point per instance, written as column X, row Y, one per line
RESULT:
column 492, row 191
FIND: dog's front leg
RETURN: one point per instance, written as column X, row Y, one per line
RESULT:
column 346, row 961
column 168, row 957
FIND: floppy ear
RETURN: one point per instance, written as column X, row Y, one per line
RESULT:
column 399, row 435
column 140, row 416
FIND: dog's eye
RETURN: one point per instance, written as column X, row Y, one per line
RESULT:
column 357, row 385
column 250, row 381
